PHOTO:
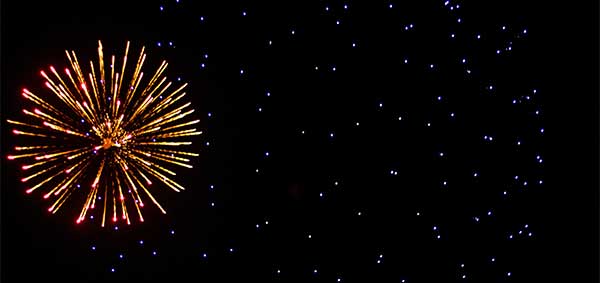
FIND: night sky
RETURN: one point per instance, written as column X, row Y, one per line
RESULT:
column 343, row 141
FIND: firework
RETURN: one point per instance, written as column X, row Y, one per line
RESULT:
column 104, row 137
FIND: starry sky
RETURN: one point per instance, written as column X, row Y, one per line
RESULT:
column 343, row 141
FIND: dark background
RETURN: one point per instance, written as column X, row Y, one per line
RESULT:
column 558, row 57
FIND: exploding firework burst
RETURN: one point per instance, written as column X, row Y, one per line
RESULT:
column 102, row 139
